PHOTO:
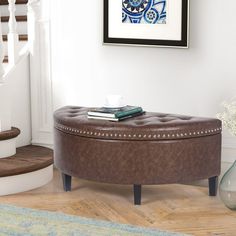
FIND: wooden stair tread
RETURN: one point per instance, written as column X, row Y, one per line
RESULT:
column 5, row 2
column 22, row 37
column 18, row 18
column 9, row 134
column 27, row 159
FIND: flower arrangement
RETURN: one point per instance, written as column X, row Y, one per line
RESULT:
column 228, row 116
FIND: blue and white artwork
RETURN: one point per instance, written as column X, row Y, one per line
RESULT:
column 144, row 11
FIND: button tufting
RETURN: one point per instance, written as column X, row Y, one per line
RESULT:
column 149, row 126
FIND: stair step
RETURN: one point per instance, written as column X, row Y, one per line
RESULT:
column 22, row 37
column 18, row 18
column 27, row 159
column 31, row 167
column 8, row 139
column 5, row 2
column 9, row 134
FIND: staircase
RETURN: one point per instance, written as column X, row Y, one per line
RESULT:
column 13, row 15
column 26, row 168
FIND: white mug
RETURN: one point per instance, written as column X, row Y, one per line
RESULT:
column 113, row 100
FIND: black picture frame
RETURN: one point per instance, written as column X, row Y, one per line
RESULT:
column 183, row 43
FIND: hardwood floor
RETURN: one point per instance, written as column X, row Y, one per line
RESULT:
column 180, row 208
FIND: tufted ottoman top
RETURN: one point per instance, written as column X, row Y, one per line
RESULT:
column 149, row 126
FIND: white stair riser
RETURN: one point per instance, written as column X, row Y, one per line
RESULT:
column 5, row 117
column 5, row 108
column 25, row 182
column 21, row 28
column 21, row 45
column 21, row 10
column 7, row 148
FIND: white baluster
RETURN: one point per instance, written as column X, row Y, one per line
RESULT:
column 1, row 51
column 13, row 38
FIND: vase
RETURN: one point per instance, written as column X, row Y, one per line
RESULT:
column 228, row 187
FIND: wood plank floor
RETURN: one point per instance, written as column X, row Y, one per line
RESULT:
column 180, row 208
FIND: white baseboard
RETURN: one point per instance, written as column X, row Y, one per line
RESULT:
column 43, row 143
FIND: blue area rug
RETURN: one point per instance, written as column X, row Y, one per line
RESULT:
column 17, row 221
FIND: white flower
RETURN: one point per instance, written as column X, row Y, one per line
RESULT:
column 228, row 116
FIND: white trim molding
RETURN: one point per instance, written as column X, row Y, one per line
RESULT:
column 40, row 73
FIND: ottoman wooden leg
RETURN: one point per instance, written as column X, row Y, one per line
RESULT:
column 137, row 194
column 213, row 185
column 66, row 182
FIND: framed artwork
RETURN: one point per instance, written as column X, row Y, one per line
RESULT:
column 162, row 23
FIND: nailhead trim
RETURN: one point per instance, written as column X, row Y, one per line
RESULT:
column 131, row 136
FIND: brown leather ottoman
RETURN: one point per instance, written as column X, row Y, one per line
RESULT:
column 154, row 148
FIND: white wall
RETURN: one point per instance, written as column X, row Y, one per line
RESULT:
column 17, row 96
column 189, row 81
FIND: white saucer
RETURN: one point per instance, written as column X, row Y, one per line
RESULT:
column 113, row 107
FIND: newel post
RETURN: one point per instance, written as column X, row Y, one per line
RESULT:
column 1, row 52
column 13, row 38
column 40, row 71
column 33, row 17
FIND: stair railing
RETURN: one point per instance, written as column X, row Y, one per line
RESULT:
column 1, row 52
column 13, row 37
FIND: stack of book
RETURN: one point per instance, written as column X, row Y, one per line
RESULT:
column 115, row 114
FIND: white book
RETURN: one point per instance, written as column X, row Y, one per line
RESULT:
column 102, row 118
